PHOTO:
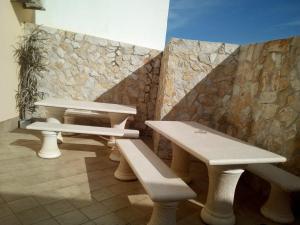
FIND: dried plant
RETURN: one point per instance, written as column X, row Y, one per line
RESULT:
column 30, row 55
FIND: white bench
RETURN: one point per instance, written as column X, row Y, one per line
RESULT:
column 70, row 116
column 50, row 131
column 277, row 207
column 118, row 114
column 159, row 181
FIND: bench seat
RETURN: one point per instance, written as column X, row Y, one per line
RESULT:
column 50, row 130
column 82, row 129
column 70, row 116
column 159, row 181
column 277, row 207
column 285, row 180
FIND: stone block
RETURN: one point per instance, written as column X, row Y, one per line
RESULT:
column 268, row 97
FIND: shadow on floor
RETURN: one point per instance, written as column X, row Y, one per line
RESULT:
column 80, row 186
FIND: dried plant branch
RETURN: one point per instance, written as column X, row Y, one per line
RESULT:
column 30, row 55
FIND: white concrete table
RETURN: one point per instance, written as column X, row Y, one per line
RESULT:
column 117, row 113
column 225, row 156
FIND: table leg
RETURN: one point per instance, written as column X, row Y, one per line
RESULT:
column 117, row 120
column 222, row 183
column 55, row 120
column 180, row 163
column 54, row 115
column 69, row 119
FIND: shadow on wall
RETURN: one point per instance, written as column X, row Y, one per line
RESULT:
column 90, row 68
column 196, row 83
column 208, row 101
column 23, row 15
column 253, row 94
column 139, row 89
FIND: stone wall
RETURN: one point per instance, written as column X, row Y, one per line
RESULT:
column 195, row 83
column 251, row 92
column 88, row 68
column 265, row 102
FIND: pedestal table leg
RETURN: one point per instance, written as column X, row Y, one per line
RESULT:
column 180, row 163
column 117, row 120
column 55, row 120
column 222, row 183
column 69, row 119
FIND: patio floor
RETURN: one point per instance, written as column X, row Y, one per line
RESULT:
column 79, row 187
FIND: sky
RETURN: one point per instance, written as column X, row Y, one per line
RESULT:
column 233, row 21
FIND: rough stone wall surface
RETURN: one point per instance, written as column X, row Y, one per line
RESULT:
column 265, row 103
column 251, row 92
column 195, row 83
column 89, row 68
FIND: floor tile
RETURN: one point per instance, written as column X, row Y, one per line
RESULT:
column 116, row 202
column 102, row 194
column 142, row 221
column 193, row 219
column 110, row 219
column 43, row 192
column 23, row 204
column 1, row 200
column 5, row 210
column 123, row 187
column 33, row 215
column 9, row 220
column 130, row 214
column 47, row 222
column 95, row 210
column 89, row 223
column 81, row 201
column 72, row 218
column 59, row 207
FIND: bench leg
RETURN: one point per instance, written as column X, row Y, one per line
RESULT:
column 124, row 172
column 117, row 120
column 181, row 163
column 59, row 136
column 164, row 213
column 49, row 148
column 277, row 207
column 222, row 183
column 115, row 154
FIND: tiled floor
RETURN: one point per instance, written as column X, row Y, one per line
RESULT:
column 79, row 187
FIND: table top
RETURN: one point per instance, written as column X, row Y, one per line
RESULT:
column 211, row 146
column 86, row 105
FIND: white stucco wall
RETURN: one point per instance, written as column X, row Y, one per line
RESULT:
column 11, row 15
column 138, row 22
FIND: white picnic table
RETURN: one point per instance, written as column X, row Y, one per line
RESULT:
column 118, row 114
column 225, row 156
